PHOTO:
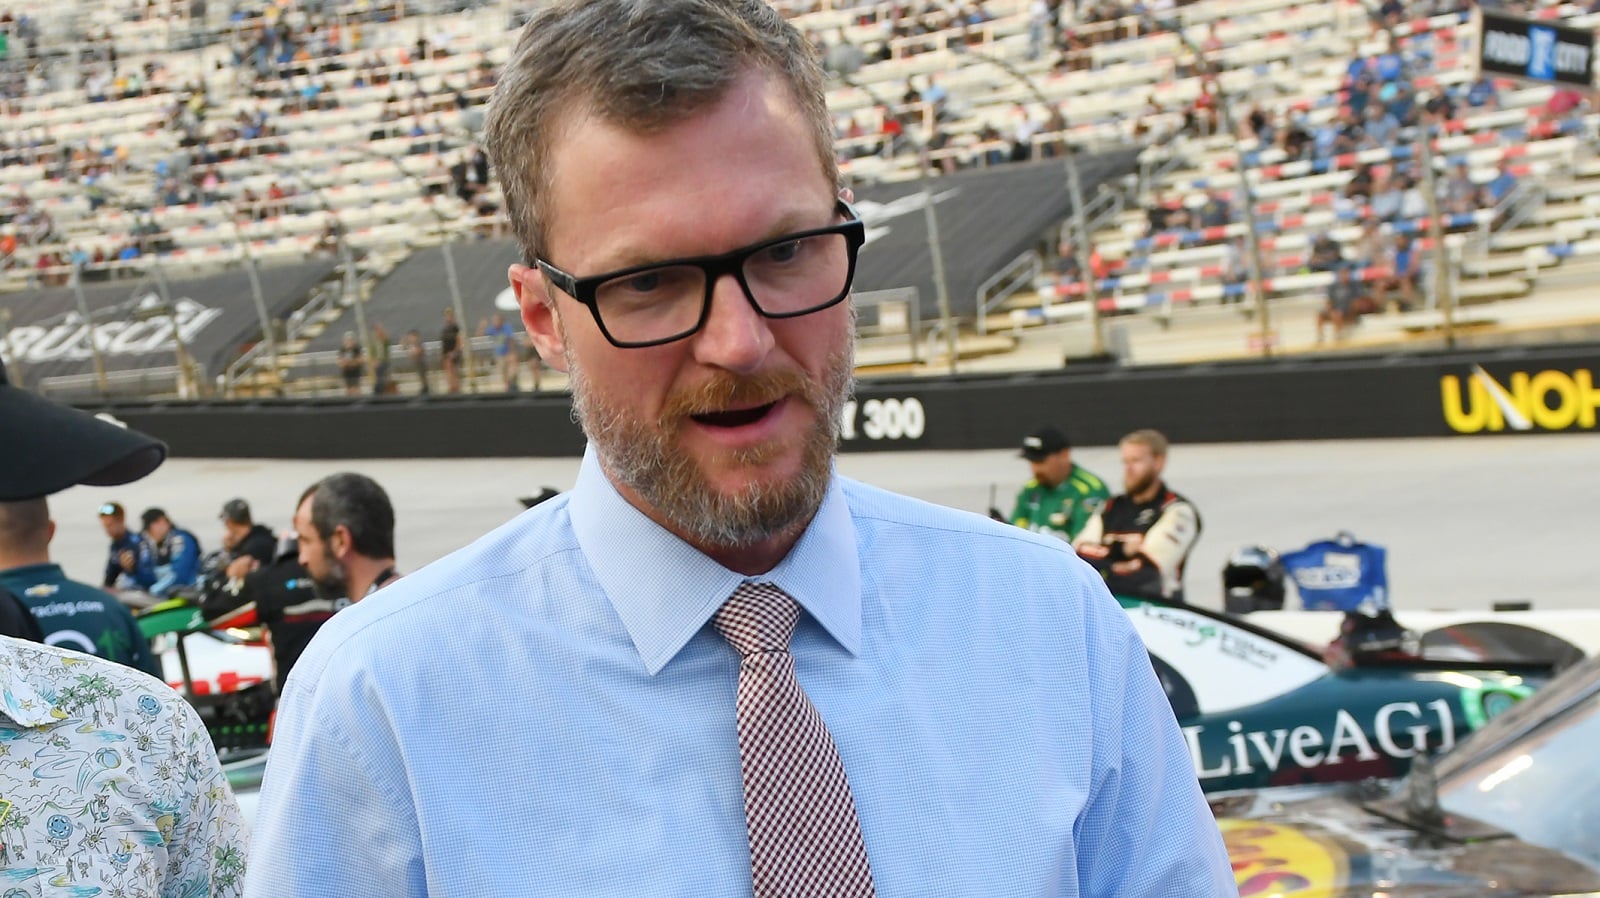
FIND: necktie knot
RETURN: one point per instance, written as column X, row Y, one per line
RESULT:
column 759, row 617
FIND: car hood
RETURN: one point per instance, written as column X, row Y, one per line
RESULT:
column 1331, row 847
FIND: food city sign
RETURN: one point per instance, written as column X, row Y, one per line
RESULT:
column 1540, row 400
column 1399, row 730
column 1537, row 51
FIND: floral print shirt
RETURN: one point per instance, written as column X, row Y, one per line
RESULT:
column 109, row 785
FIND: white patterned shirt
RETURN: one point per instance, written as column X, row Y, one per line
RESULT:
column 109, row 785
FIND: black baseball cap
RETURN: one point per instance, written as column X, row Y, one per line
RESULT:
column 48, row 447
column 1043, row 443
column 237, row 511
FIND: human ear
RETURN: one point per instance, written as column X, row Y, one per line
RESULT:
column 539, row 314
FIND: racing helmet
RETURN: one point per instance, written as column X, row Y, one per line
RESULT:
column 1252, row 581
column 1376, row 639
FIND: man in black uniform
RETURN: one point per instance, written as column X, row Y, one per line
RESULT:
column 242, row 536
column 279, row 595
column 1141, row 538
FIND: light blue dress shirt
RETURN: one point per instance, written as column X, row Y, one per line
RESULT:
column 545, row 712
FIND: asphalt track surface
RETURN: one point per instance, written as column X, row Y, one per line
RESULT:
column 1467, row 521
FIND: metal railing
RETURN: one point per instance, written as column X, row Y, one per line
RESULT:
column 1019, row 274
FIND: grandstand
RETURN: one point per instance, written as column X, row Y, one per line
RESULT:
column 295, row 168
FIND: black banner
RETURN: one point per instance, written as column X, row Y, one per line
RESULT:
column 1490, row 392
column 986, row 218
column 1536, row 51
column 216, row 316
column 415, row 295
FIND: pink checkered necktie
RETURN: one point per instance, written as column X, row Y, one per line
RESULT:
column 805, row 839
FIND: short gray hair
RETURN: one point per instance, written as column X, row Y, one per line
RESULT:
column 640, row 64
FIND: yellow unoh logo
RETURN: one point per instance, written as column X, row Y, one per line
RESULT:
column 1545, row 400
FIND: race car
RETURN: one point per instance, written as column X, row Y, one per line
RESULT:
column 1512, row 811
column 225, row 674
column 1260, row 709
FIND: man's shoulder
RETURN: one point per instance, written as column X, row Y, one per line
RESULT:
column 50, row 683
column 1088, row 482
column 439, row 597
column 937, row 529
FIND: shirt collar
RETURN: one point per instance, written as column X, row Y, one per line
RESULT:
column 20, row 698
column 664, row 590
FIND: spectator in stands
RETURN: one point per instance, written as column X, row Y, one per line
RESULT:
column 1371, row 247
column 1461, row 195
column 351, row 362
column 1216, row 211
column 328, row 241
column 1503, row 183
column 1068, row 271
column 1405, row 272
column 1482, row 95
column 1562, row 104
column 382, row 383
column 1326, row 255
column 450, row 352
column 1379, row 128
column 1387, row 195
column 507, row 354
column 1339, row 310
column 418, row 354
column 1235, row 272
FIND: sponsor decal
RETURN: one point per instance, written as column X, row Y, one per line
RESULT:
column 68, row 338
column 1542, row 400
column 1202, row 631
column 1537, row 51
column 1398, row 729
column 879, row 215
column 1270, row 859
column 65, row 609
column 883, row 419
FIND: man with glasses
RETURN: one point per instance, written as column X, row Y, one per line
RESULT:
column 716, row 667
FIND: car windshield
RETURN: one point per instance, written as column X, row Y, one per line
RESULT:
column 1540, row 782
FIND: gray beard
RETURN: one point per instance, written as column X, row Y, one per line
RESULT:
column 643, row 457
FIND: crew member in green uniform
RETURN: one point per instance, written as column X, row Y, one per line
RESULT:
column 1062, row 496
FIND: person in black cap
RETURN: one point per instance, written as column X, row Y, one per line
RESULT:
column 171, row 557
column 1062, row 496
column 55, row 703
column 122, row 559
column 242, row 536
column 49, row 447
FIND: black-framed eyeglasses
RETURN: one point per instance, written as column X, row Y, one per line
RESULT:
column 785, row 277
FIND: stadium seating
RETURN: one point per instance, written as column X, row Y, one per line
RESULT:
column 342, row 145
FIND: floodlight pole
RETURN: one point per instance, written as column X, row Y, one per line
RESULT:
column 1443, row 294
column 255, row 294
column 941, row 286
column 1080, row 218
column 88, row 323
column 1247, row 199
column 449, row 260
column 186, row 373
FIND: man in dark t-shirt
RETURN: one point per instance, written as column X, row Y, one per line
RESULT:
column 450, row 351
